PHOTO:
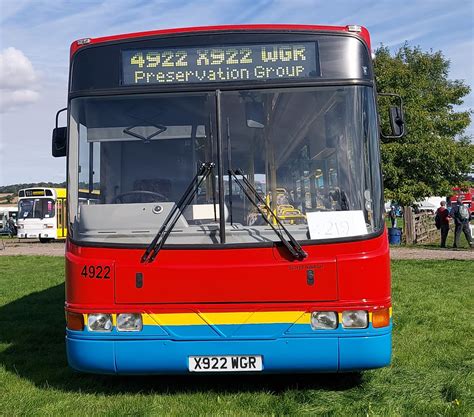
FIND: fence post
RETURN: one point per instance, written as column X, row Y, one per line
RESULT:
column 409, row 225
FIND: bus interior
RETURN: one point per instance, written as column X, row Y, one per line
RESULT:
column 304, row 150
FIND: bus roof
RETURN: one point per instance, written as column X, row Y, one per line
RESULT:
column 4, row 209
column 355, row 29
column 57, row 192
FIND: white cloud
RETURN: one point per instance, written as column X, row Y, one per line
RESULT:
column 18, row 80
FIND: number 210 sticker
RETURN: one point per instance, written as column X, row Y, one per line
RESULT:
column 334, row 224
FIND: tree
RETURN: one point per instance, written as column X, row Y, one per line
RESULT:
column 14, row 188
column 435, row 154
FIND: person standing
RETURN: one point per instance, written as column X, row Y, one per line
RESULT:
column 460, row 214
column 442, row 222
column 393, row 216
column 12, row 230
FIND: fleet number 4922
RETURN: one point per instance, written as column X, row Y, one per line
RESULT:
column 96, row 271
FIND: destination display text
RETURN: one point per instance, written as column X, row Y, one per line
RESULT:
column 254, row 62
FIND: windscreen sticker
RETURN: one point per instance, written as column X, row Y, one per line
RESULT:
column 336, row 224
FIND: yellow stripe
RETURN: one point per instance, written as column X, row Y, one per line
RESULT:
column 304, row 319
column 259, row 317
column 188, row 319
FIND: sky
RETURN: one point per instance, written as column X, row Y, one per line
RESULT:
column 35, row 36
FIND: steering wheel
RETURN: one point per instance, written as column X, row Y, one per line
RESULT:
column 140, row 197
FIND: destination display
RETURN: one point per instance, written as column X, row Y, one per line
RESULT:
column 34, row 193
column 251, row 62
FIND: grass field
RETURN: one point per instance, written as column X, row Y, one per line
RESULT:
column 431, row 374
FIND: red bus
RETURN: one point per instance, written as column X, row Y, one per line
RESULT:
column 467, row 196
column 225, row 207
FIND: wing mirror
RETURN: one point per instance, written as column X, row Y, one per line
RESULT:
column 59, row 139
column 396, row 118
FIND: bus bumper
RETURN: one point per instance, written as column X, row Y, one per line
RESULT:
column 295, row 355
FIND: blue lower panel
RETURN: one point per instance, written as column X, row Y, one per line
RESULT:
column 94, row 356
column 281, row 355
column 316, row 354
column 357, row 353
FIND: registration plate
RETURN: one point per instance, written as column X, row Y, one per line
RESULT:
column 247, row 363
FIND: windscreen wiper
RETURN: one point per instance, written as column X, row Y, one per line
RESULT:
column 251, row 193
column 159, row 240
column 146, row 139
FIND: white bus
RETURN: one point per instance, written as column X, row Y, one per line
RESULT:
column 5, row 214
column 42, row 214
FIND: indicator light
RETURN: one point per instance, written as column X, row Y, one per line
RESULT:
column 354, row 28
column 381, row 318
column 74, row 321
column 84, row 41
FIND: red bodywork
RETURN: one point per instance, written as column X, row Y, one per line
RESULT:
column 467, row 196
column 363, row 34
column 355, row 275
column 347, row 275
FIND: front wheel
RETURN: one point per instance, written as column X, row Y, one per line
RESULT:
column 45, row 239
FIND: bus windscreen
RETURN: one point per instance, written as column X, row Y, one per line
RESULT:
column 234, row 63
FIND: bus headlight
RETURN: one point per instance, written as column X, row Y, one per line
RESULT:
column 99, row 322
column 355, row 319
column 129, row 322
column 323, row 320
